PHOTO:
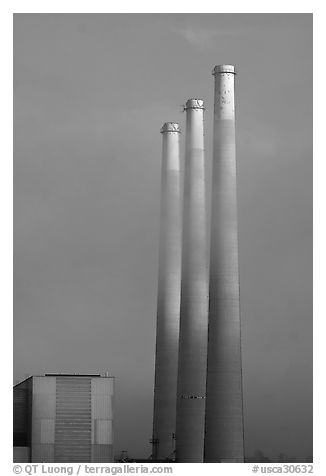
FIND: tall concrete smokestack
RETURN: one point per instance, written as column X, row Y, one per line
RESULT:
column 224, row 414
column 194, row 296
column 168, row 306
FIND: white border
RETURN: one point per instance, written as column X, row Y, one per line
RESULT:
column 99, row 6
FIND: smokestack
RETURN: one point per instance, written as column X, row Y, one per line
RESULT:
column 224, row 414
column 168, row 306
column 194, row 296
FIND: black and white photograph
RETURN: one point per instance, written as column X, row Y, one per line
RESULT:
column 163, row 239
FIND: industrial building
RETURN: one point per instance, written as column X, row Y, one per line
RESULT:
column 64, row 418
column 207, row 420
column 198, row 409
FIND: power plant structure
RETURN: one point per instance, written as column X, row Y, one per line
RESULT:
column 194, row 294
column 198, row 370
column 63, row 418
column 224, row 413
column 168, row 306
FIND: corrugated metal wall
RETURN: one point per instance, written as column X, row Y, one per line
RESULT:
column 21, row 454
column 73, row 429
column 102, row 420
column 22, row 413
column 70, row 418
column 43, row 419
column 20, row 416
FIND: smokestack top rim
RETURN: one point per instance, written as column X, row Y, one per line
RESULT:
column 170, row 127
column 194, row 104
column 223, row 68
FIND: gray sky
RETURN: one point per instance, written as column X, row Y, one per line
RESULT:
column 91, row 92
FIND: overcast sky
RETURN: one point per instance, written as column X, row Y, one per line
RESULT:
column 91, row 92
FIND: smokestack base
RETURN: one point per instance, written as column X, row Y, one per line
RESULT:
column 223, row 68
column 194, row 104
column 170, row 127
